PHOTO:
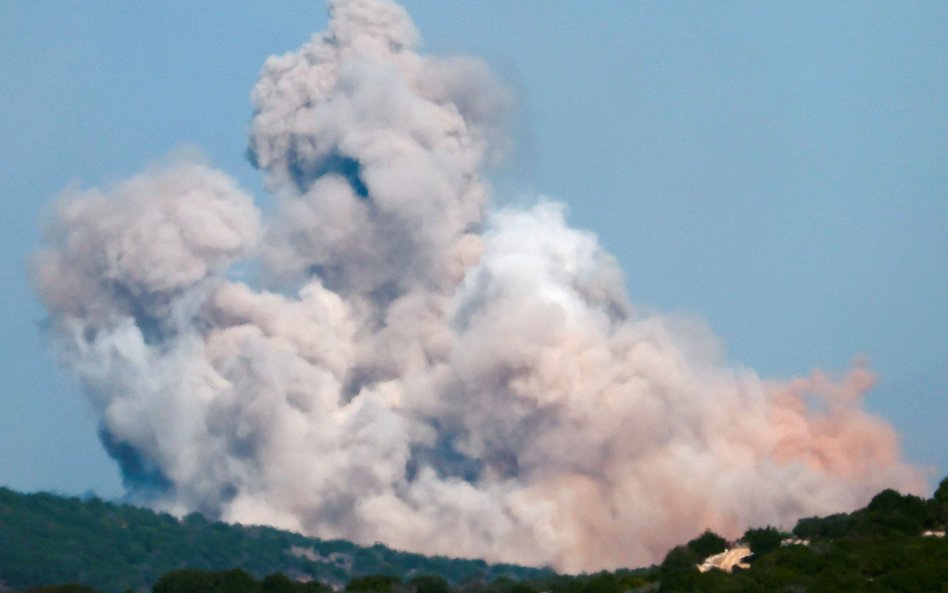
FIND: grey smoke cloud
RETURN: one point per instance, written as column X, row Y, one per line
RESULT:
column 413, row 366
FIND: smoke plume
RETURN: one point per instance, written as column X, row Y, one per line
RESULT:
column 410, row 365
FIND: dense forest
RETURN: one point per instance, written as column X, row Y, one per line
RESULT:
column 895, row 544
column 46, row 539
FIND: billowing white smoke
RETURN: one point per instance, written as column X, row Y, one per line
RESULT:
column 410, row 367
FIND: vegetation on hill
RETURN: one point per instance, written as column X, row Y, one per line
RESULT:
column 47, row 539
column 878, row 548
column 891, row 546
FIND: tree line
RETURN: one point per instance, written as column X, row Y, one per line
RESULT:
column 895, row 544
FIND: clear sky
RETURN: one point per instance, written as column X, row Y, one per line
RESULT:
column 777, row 169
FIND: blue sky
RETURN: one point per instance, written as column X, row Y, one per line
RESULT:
column 777, row 169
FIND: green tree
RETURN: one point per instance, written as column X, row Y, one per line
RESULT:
column 939, row 504
column 312, row 587
column 235, row 581
column 184, row 581
column 707, row 544
column 603, row 582
column 430, row 584
column 204, row 581
column 374, row 583
column 522, row 588
column 678, row 558
column 762, row 540
column 830, row 527
column 892, row 513
column 679, row 572
column 277, row 583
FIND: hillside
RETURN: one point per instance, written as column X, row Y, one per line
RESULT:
column 46, row 539
column 895, row 544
